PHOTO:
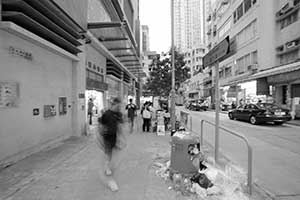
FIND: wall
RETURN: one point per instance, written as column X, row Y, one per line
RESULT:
column 42, row 80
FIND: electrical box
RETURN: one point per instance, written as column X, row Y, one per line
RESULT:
column 62, row 105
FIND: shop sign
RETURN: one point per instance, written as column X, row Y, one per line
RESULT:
column 9, row 94
column 20, row 52
column 93, row 84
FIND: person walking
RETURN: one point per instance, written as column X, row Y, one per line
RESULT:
column 131, row 113
column 90, row 110
column 111, row 138
column 146, row 114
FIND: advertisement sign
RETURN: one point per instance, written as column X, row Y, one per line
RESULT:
column 9, row 94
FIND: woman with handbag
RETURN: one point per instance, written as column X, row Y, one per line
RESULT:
column 110, row 137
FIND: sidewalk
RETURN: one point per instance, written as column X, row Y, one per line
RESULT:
column 73, row 170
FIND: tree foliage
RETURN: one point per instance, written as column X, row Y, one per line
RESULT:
column 160, row 81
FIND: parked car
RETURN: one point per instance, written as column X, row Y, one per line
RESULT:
column 260, row 113
column 197, row 105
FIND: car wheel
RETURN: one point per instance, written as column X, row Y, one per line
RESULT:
column 278, row 123
column 230, row 115
column 253, row 120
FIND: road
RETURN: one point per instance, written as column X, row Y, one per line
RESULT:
column 276, row 151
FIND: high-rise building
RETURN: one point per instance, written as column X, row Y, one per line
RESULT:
column 145, row 38
column 189, row 24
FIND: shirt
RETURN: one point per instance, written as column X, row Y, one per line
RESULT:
column 111, row 120
column 131, row 108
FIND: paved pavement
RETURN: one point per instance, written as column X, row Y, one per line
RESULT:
column 74, row 170
column 276, row 152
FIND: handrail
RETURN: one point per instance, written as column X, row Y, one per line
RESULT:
column 250, row 160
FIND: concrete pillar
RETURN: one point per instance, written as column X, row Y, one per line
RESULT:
column 79, row 87
column 121, row 95
column 289, row 96
column 0, row 10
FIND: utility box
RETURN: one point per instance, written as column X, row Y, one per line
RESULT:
column 181, row 161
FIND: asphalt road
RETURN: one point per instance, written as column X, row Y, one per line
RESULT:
column 276, row 151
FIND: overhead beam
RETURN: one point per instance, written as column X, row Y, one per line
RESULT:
column 131, row 65
column 113, row 39
column 130, row 60
column 120, row 48
column 124, row 55
column 97, row 25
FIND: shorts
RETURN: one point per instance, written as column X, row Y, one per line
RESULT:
column 109, row 142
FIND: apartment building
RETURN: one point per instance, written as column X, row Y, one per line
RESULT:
column 145, row 38
column 55, row 55
column 264, row 49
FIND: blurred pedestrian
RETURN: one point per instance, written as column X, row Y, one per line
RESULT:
column 90, row 110
column 131, row 113
column 110, row 137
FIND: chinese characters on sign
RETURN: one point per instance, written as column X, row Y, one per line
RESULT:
column 21, row 53
column 9, row 94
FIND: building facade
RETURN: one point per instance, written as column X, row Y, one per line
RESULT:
column 145, row 38
column 189, row 24
column 55, row 55
column 264, row 58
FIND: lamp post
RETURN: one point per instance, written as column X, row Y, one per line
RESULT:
column 173, row 69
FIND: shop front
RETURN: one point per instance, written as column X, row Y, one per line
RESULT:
column 287, row 91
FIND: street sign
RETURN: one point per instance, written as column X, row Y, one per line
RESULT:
column 222, row 49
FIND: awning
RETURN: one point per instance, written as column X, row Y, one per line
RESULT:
column 277, row 70
column 117, row 37
column 46, row 20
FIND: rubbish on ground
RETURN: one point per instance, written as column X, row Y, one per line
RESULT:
column 202, row 180
column 191, row 172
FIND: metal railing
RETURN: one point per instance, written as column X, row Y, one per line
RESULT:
column 249, row 174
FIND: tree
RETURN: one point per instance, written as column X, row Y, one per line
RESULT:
column 160, row 81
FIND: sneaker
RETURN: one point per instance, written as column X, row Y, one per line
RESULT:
column 113, row 185
column 108, row 172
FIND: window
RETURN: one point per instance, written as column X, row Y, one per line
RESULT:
column 247, row 60
column 247, row 4
column 289, row 57
column 254, row 57
column 228, row 71
column 289, row 20
column 246, row 34
column 240, row 65
column 240, row 11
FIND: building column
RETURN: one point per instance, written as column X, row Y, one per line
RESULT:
column 121, row 95
column 79, row 87
column 289, row 96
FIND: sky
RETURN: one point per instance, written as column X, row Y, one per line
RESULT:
column 157, row 15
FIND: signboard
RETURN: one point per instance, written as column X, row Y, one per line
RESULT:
column 9, row 94
column 222, row 49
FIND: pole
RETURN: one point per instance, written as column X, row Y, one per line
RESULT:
column 217, row 107
column 173, row 69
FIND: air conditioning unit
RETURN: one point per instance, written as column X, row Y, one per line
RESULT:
column 290, row 44
column 287, row 7
column 252, row 67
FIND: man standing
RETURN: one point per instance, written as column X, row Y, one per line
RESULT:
column 90, row 110
column 111, row 138
column 131, row 113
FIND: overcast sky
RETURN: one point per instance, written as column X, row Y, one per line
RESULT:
column 156, row 14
